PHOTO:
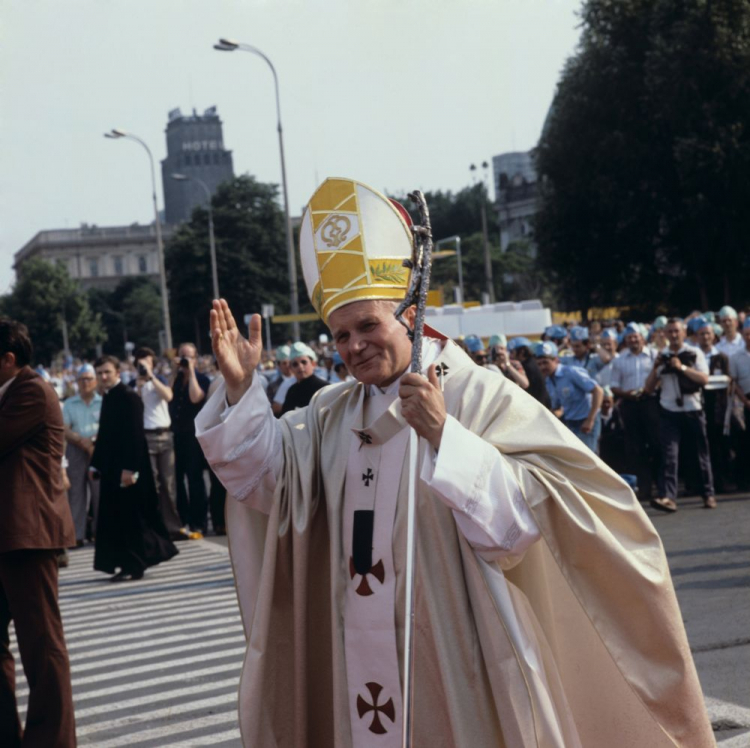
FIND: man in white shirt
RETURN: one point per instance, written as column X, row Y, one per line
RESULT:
column 640, row 411
column 731, row 341
column 504, row 492
column 680, row 372
column 156, row 393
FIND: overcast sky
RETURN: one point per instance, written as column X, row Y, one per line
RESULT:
column 398, row 94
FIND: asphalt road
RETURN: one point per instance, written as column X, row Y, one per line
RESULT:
column 709, row 556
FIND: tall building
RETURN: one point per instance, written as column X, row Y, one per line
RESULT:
column 517, row 195
column 97, row 256
column 195, row 148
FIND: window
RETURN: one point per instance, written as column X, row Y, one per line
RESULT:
column 188, row 159
column 119, row 270
column 94, row 268
column 216, row 158
column 206, row 158
column 142, row 264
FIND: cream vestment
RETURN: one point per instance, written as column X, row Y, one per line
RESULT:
column 545, row 610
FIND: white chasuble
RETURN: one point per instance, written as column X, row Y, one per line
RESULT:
column 376, row 453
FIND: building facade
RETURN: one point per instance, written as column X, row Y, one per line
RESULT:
column 195, row 148
column 517, row 193
column 97, row 257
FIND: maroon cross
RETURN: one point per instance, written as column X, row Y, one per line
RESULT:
column 365, row 437
column 378, row 571
column 388, row 709
column 442, row 369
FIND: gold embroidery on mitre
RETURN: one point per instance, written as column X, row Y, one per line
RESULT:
column 335, row 230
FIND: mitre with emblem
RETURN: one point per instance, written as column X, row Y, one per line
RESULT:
column 353, row 243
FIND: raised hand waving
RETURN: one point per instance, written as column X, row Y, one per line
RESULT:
column 236, row 356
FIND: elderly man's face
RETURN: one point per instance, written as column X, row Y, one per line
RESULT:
column 609, row 345
column 87, row 384
column 372, row 343
column 729, row 324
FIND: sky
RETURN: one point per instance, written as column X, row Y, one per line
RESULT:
column 397, row 94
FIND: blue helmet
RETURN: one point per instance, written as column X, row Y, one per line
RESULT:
column 519, row 342
column 473, row 343
column 579, row 334
column 547, row 349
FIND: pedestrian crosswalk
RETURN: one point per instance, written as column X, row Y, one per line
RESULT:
column 154, row 662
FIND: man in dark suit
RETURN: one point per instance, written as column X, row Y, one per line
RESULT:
column 35, row 522
column 130, row 533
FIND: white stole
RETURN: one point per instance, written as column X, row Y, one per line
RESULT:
column 376, row 455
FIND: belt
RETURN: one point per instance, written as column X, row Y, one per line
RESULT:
column 162, row 430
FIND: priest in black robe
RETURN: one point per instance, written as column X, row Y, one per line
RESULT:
column 130, row 533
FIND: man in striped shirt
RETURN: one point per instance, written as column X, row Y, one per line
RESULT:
column 640, row 411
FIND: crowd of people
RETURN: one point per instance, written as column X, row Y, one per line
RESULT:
column 159, row 398
column 640, row 395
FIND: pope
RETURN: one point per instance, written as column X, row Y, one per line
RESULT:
column 545, row 613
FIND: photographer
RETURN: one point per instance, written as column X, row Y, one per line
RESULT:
column 680, row 371
column 189, row 388
column 156, row 394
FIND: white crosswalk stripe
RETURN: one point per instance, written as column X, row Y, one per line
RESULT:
column 154, row 662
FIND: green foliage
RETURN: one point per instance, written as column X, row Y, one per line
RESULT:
column 42, row 297
column 251, row 259
column 132, row 312
column 645, row 157
column 516, row 273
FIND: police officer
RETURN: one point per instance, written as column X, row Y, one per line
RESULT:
column 582, row 354
column 576, row 397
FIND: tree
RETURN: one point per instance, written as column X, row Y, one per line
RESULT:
column 131, row 312
column 43, row 297
column 251, row 258
column 644, row 157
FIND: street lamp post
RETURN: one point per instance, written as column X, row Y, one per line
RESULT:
column 115, row 134
column 229, row 45
column 211, row 241
column 490, row 292
column 456, row 239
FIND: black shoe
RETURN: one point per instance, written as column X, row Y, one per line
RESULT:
column 121, row 576
column 135, row 576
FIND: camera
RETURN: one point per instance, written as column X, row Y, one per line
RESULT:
column 184, row 362
column 142, row 371
column 665, row 360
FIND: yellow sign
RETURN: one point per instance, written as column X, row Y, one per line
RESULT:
column 280, row 319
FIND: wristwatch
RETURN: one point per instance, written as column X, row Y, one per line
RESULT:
column 683, row 367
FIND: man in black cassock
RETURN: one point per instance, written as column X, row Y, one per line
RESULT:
column 130, row 533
